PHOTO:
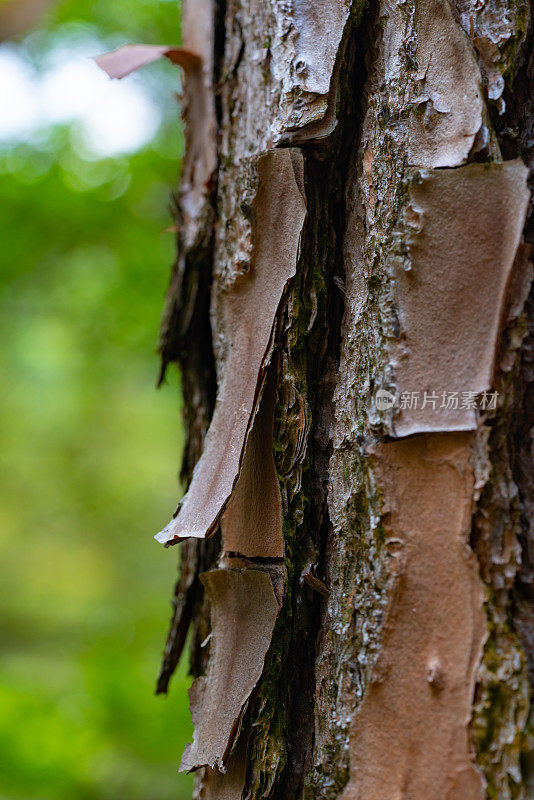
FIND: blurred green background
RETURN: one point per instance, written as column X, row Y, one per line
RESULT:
column 89, row 450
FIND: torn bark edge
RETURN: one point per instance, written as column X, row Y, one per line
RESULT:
column 318, row 130
column 160, row 537
column 215, row 785
column 260, row 385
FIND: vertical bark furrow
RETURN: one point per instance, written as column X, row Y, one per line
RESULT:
column 280, row 754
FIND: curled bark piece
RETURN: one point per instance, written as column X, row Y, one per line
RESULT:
column 466, row 225
column 410, row 735
column 449, row 114
column 126, row 59
column 441, row 112
column 304, row 51
column 249, row 312
column 252, row 522
column 244, row 611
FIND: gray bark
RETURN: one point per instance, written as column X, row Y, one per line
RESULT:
column 401, row 660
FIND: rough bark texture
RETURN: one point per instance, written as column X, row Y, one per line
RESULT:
column 401, row 661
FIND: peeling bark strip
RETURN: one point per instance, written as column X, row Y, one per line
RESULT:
column 442, row 98
column 305, row 50
column 410, row 736
column 464, row 227
column 252, row 523
column 249, row 312
column 244, row 611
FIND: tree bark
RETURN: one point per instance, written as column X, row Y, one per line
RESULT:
column 370, row 599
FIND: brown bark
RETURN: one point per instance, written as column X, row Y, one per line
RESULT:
column 395, row 660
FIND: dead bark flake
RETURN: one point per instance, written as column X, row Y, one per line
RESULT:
column 249, row 311
column 252, row 522
column 244, row 611
column 464, row 227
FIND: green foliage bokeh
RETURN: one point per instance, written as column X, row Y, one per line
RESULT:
column 89, row 450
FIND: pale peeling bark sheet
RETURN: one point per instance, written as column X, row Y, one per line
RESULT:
column 444, row 99
column 244, row 611
column 466, row 225
column 252, row 522
column 304, row 52
column 249, row 311
column 410, row 736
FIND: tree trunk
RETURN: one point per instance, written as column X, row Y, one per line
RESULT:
column 350, row 295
